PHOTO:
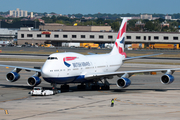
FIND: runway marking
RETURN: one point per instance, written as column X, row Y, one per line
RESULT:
column 6, row 111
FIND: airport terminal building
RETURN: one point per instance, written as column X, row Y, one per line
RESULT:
column 96, row 34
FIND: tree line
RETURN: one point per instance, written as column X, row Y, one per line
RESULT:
column 114, row 21
column 147, row 25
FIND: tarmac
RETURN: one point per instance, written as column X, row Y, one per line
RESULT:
column 136, row 106
column 145, row 99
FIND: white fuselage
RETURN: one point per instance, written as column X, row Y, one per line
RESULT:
column 72, row 67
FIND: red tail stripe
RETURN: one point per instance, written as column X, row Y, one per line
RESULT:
column 120, row 50
column 116, row 44
column 122, row 31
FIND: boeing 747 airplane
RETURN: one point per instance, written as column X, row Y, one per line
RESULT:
column 70, row 67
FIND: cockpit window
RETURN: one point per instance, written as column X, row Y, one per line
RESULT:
column 52, row 58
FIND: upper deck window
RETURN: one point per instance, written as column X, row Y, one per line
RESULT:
column 52, row 58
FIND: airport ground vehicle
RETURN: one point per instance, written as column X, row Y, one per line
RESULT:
column 70, row 44
column 137, row 46
column 109, row 45
column 47, row 45
column 153, row 46
column 84, row 45
column 89, row 45
column 164, row 46
column 40, row 91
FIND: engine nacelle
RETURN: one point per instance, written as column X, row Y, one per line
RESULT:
column 167, row 79
column 33, row 81
column 123, row 82
column 12, row 76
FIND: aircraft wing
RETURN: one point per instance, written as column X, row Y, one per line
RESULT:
column 120, row 73
column 130, row 58
column 22, row 68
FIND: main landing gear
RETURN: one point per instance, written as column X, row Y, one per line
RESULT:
column 94, row 86
column 55, row 91
column 105, row 86
column 64, row 88
column 81, row 87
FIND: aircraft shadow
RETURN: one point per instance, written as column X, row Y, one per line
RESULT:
column 74, row 89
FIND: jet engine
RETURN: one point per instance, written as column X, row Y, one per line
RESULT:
column 167, row 79
column 33, row 81
column 123, row 82
column 12, row 76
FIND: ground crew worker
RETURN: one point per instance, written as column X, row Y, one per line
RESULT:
column 112, row 102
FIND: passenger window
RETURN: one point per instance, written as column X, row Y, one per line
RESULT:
column 52, row 58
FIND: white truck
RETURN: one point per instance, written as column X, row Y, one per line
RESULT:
column 40, row 91
column 70, row 44
column 109, row 45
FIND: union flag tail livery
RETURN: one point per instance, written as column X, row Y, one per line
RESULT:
column 120, row 40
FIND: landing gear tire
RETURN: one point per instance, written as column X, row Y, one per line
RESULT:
column 95, row 87
column 81, row 87
column 105, row 87
column 64, row 88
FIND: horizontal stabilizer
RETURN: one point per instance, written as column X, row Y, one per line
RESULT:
column 131, row 58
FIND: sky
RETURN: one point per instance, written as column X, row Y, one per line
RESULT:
column 93, row 6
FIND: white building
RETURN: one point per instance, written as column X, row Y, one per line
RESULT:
column 146, row 16
column 31, row 15
column 167, row 17
column 18, row 13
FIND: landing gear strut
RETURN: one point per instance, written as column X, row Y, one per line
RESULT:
column 106, row 85
column 54, row 88
column 95, row 86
